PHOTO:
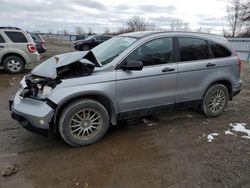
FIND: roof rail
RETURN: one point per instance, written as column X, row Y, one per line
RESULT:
column 14, row 28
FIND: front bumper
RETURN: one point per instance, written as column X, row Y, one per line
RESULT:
column 33, row 115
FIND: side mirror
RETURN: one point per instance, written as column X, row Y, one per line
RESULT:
column 132, row 65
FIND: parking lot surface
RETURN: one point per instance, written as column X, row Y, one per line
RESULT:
column 167, row 150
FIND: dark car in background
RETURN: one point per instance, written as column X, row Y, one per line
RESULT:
column 90, row 42
column 40, row 42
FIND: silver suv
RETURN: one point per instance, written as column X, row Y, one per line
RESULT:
column 132, row 75
column 16, row 49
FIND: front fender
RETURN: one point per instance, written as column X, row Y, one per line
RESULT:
column 61, row 96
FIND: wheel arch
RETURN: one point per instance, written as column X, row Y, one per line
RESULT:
column 224, row 82
column 12, row 54
column 104, row 100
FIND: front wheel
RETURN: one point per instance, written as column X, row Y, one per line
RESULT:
column 215, row 100
column 83, row 122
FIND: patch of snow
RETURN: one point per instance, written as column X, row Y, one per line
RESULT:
column 229, row 132
column 210, row 137
column 247, row 137
column 240, row 127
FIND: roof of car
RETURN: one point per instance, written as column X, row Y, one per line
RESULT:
column 209, row 36
column 9, row 28
column 143, row 34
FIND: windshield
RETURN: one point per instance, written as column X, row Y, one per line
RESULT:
column 109, row 50
column 89, row 38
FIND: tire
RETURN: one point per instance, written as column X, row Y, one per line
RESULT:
column 13, row 64
column 215, row 100
column 74, row 126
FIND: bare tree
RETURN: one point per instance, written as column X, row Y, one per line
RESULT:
column 179, row 25
column 245, row 10
column 79, row 30
column 234, row 12
column 239, row 16
column 137, row 23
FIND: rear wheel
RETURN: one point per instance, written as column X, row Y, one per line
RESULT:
column 13, row 64
column 215, row 100
column 83, row 122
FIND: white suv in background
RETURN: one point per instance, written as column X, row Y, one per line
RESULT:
column 16, row 49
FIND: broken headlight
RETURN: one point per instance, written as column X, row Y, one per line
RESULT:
column 44, row 91
column 38, row 87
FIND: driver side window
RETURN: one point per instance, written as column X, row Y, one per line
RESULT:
column 158, row 51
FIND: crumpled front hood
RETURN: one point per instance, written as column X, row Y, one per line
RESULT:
column 49, row 68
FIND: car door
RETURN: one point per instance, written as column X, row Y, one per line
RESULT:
column 194, row 67
column 152, row 87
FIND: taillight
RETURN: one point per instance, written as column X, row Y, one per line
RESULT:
column 31, row 48
column 239, row 65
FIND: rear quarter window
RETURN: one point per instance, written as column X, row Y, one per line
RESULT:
column 219, row 51
column 16, row 37
column 2, row 39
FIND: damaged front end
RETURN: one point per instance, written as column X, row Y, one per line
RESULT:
column 45, row 77
column 37, row 87
column 30, row 106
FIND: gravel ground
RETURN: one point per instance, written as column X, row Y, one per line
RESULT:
column 169, row 150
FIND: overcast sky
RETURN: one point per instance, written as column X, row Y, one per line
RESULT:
column 44, row 15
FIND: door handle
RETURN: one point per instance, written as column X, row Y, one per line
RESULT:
column 210, row 65
column 167, row 69
column 1, row 46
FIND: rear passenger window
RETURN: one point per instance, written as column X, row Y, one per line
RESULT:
column 219, row 51
column 16, row 37
column 193, row 49
column 1, row 39
column 158, row 51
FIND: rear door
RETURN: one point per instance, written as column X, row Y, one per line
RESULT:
column 194, row 67
column 18, row 40
column 155, row 84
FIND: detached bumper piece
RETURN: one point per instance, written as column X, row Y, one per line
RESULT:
column 33, row 115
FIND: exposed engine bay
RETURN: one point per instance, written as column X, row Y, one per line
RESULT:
column 41, row 81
